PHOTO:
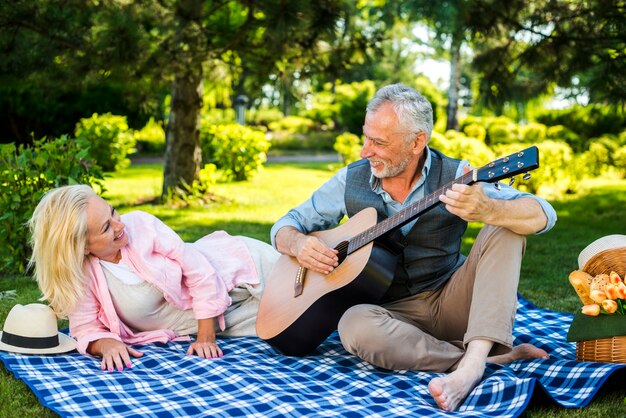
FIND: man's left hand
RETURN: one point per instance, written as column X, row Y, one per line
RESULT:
column 469, row 203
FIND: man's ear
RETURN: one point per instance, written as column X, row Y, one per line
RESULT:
column 419, row 142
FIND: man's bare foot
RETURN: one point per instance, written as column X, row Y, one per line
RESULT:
column 519, row 352
column 449, row 391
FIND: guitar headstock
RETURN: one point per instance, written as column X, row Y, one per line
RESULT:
column 509, row 166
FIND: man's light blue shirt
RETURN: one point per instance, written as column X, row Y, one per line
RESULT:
column 326, row 207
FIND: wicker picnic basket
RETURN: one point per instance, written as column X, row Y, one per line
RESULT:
column 608, row 350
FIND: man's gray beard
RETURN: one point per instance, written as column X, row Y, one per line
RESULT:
column 395, row 170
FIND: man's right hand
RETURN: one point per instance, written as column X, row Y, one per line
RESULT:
column 311, row 252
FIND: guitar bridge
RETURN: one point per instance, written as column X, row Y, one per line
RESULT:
column 299, row 283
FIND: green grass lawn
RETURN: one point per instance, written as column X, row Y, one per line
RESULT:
column 250, row 208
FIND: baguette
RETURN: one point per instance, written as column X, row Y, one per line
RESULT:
column 581, row 282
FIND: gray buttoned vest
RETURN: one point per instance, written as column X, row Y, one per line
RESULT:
column 432, row 247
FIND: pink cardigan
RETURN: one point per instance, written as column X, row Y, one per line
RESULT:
column 194, row 276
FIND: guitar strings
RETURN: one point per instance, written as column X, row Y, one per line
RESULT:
column 342, row 247
column 399, row 218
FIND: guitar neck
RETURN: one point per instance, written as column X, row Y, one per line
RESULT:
column 509, row 166
column 407, row 214
column 520, row 162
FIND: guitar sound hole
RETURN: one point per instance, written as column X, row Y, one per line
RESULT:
column 342, row 247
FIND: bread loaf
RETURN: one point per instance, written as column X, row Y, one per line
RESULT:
column 581, row 282
column 599, row 282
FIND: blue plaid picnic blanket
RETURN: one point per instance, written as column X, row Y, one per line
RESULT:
column 253, row 379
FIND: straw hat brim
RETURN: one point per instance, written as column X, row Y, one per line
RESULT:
column 66, row 343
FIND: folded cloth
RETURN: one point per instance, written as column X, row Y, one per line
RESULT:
column 585, row 327
column 254, row 380
column 240, row 317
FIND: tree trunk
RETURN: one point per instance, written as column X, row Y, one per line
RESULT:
column 455, row 82
column 183, row 155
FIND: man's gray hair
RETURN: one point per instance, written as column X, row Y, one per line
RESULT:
column 414, row 112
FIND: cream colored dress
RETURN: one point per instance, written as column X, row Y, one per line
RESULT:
column 142, row 306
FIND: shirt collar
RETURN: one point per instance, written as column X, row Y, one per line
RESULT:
column 375, row 182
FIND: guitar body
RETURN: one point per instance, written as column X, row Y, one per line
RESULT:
column 297, row 325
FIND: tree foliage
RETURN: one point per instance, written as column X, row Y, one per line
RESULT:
column 64, row 60
column 147, row 44
column 451, row 21
column 526, row 48
column 256, row 35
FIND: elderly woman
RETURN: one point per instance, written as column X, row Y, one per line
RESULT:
column 130, row 279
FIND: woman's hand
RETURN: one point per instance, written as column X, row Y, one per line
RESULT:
column 206, row 349
column 205, row 345
column 115, row 354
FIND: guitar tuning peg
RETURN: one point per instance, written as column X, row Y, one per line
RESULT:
column 511, row 181
column 526, row 176
column 497, row 186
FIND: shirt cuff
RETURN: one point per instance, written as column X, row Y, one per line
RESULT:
column 281, row 223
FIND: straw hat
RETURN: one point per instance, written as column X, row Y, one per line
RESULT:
column 32, row 329
column 608, row 251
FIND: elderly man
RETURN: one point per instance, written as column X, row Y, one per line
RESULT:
column 443, row 312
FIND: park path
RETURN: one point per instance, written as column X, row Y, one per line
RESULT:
column 300, row 158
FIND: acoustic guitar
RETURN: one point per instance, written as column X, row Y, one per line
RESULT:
column 299, row 308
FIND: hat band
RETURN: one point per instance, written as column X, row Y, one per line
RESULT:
column 30, row 342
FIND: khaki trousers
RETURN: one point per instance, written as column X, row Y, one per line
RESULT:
column 429, row 331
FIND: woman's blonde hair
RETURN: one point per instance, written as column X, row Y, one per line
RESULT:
column 58, row 238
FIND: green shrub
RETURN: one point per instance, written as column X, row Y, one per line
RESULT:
column 198, row 193
column 502, row 130
column 611, row 143
column 151, row 138
column 475, row 130
column 316, row 141
column 533, row 133
column 292, row 125
column 470, row 120
column 349, row 147
column 600, row 155
column 466, row 148
column 434, row 95
column 264, row 116
column 351, row 101
column 219, row 116
column 590, row 121
column 559, row 172
column 620, row 160
column 439, row 142
column 25, row 175
column 108, row 138
column 596, row 159
column 323, row 110
column 238, row 151
column 562, row 133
